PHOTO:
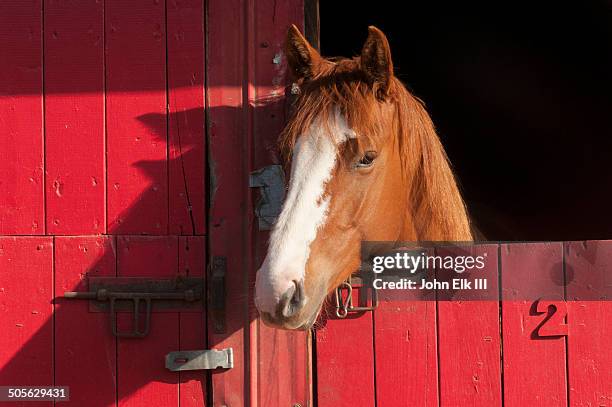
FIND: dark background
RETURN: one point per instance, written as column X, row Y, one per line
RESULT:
column 520, row 94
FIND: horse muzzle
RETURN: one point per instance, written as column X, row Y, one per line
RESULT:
column 290, row 311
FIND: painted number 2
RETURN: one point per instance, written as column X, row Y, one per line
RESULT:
column 554, row 322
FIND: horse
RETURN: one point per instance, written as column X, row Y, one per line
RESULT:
column 366, row 165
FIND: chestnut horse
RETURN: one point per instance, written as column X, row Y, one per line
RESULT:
column 367, row 165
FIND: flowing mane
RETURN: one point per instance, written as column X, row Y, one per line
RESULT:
column 436, row 208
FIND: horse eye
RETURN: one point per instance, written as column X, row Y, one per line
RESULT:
column 367, row 159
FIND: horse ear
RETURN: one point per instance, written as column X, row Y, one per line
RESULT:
column 376, row 61
column 303, row 59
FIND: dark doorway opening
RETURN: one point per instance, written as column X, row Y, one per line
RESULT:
column 520, row 95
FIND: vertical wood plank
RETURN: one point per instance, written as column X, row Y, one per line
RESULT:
column 85, row 352
column 142, row 378
column 74, row 117
column 534, row 367
column 26, row 292
column 21, row 119
column 137, row 196
column 405, row 339
column 281, row 372
column 192, row 337
column 345, row 360
column 186, row 122
column 279, row 359
column 469, row 343
column 192, row 256
column 589, row 317
column 192, row 262
column 228, row 199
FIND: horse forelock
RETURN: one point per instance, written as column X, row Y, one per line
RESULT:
column 337, row 87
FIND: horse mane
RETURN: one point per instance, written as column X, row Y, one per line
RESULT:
column 436, row 206
column 438, row 211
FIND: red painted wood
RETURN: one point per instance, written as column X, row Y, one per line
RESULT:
column 137, row 171
column 587, row 270
column 280, row 359
column 229, row 207
column 405, row 346
column 84, row 345
column 555, row 325
column 345, row 360
column 186, row 122
column 26, row 291
column 141, row 376
column 469, row 345
column 192, row 337
column 192, row 329
column 281, row 374
column 21, row 119
column 192, row 256
column 534, row 368
column 74, row 117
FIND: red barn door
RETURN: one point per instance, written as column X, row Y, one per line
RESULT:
column 521, row 351
column 246, row 82
column 108, row 110
column 103, row 174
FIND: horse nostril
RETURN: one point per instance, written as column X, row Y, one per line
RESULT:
column 293, row 300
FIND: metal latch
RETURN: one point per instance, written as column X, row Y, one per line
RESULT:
column 200, row 359
column 271, row 180
column 110, row 294
column 344, row 304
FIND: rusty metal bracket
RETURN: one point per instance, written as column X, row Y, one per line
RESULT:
column 271, row 181
column 216, row 293
column 127, row 293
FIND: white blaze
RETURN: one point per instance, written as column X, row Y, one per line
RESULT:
column 304, row 211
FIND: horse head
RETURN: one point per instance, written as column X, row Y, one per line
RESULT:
column 366, row 165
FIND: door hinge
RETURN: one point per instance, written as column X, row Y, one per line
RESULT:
column 200, row 359
column 216, row 293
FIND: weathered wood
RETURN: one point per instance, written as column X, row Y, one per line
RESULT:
column 228, row 162
column 192, row 326
column 26, row 292
column 588, row 277
column 21, row 119
column 137, row 150
column 534, row 367
column 345, row 360
column 469, row 345
column 143, row 172
column 142, row 379
column 312, row 23
column 74, row 117
column 405, row 340
column 280, row 359
column 186, row 121
column 84, row 345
